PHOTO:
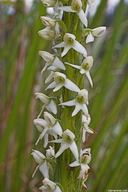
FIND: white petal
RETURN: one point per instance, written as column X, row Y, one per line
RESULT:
column 57, row 129
column 52, row 85
column 82, row 17
column 71, row 86
column 45, row 67
column 78, row 107
column 57, row 189
column 89, row 78
column 65, row 8
column 83, row 135
column 58, row 86
column 44, row 170
column 67, row 47
column 52, row 107
column 89, row 38
column 52, row 68
column 45, row 140
column 74, row 164
column 59, row 45
column 82, row 71
column 37, row 167
column 85, row 109
column 75, row 66
column 69, row 103
column 78, row 47
column 84, row 167
column 63, row 147
column 74, row 149
column 56, row 141
column 49, row 77
column 42, row 135
column 58, row 64
column 44, row 188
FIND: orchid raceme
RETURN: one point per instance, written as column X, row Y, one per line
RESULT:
column 49, row 186
column 85, row 122
column 91, row 33
column 42, row 164
column 70, row 42
column 66, row 130
column 48, row 125
column 51, row 59
column 86, row 65
column 79, row 102
column 60, row 81
column 76, row 7
column 67, row 141
column 48, row 102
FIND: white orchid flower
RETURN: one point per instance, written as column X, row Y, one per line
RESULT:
column 70, row 42
column 79, row 102
column 85, row 122
column 67, row 141
column 51, row 59
column 42, row 164
column 76, row 7
column 86, row 65
column 48, row 3
column 91, row 33
column 49, row 186
column 85, row 158
column 48, row 102
column 60, row 81
column 47, row 33
column 48, row 125
column 90, row 3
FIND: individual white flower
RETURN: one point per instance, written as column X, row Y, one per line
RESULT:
column 47, row 33
column 86, row 65
column 50, row 152
column 67, row 141
column 76, row 7
column 91, row 33
column 79, row 102
column 48, row 125
column 90, row 3
column 48, row 102
column 51, row 59
column 60, row 80
column 48, row 3
column 85, row 122
column 85, row 158
column 70, row 42
column 42, row 164
column 49, row 186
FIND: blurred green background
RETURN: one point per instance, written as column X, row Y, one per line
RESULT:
column 20, row 78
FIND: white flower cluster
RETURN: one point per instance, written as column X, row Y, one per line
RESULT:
column 49, row 125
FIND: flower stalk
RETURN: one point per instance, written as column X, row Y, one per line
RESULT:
column 67, row 120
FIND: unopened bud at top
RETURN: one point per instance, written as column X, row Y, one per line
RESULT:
column 99, row 31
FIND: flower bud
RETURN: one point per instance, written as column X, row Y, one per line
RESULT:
column 38, row 156
column 48, row 3
column 49, row 119
column 48, row 22
column 99, row 31
column 69, row 38
column 48, row 57
column 43, row 98
column 46, row 34
column 76, row 5
column 68, row 136
column 87, row 63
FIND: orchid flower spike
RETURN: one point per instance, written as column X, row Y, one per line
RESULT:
column 48, row 125
column 85, row 122
column 49, row 186
column 67, row 141
column 85, row 67
column 47, row 33
column 48, row 3
column 51, row 59
column 85, row 158
column 48, row 102
column 90, row 3
column 79, row 102
column 70, row 42
column 60, row 80
column 76, row 7
column 42, row 164
column 91, row 33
